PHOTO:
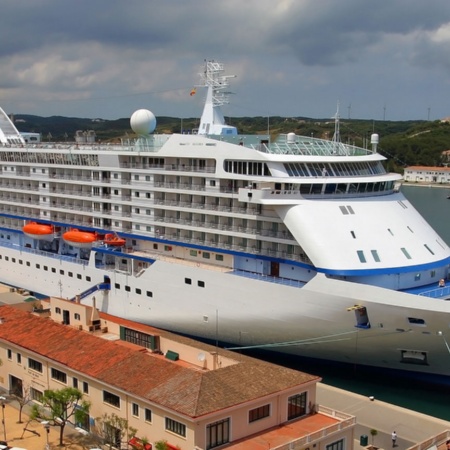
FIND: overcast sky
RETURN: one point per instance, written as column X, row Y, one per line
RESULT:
column 106, row 58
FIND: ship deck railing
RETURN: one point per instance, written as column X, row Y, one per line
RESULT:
column 48, row 254
column 438, row 292
column 310, row 146
column 284, row 145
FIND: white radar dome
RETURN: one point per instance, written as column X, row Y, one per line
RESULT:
column 143, row 122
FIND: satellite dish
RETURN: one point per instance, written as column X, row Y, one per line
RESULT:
column 201, row 356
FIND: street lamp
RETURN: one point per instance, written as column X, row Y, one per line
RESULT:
column 47, row 431
column 2, row 400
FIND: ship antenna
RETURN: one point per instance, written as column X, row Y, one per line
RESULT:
column 337, row 133
column 217, row 95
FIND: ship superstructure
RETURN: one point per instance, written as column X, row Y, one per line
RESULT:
column 301, row 245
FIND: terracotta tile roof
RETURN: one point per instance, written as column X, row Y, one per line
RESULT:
column 188, row 391
column 429, row 168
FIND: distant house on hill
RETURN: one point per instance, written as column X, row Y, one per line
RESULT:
column 427, row 174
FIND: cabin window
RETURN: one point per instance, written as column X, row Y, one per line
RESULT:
column 416, row 321
column 149, row 294
column 219, row 257
column 429, row 249
column 88, row 278
column 193, row 252
column 206, row 255
column 53, row 270
column 188, row 280
column 405, row 252
column 361, row 256
column 375, row 255
column 127, row 288
column 138, row 291
column 201, row 284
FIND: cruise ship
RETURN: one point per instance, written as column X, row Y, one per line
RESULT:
column 296, row 244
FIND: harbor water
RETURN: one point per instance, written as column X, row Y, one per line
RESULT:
column 415, row 394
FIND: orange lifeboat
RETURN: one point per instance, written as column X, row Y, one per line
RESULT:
column 40, row 231
column 77, row 238
column 114, row 240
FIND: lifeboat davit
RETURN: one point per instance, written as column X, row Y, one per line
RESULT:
column 40, row 231
column 114, row 240
column 77, row 238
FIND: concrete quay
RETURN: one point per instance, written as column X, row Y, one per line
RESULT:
column 411, row 427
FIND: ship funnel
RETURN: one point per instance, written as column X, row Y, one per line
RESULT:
column 374, row 139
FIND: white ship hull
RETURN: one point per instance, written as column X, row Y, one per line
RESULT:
column 303, row 245
column 247, row 312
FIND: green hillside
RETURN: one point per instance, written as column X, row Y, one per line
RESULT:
column 404, row 143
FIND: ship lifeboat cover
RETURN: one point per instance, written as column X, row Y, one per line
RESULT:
column 79, row 238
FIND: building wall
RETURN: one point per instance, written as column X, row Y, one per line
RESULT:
column 427, row 174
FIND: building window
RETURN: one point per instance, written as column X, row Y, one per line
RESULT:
column 217, row 433
column 9, row 353
column 75, row 382
column 34, row 365
column 135, row 410
column 59, row 376
column 85, row 387
column 338, row 445
column 58, row 310
column 111, row 399
column 36, row 395
column 296, row 406
column 175, row 427
column 219, row 257
column 258, row 413
column 77, row 316
column 148, row 415
column 19, row 358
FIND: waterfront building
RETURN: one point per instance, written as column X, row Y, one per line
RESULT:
column 427, row 174
column 168, row 387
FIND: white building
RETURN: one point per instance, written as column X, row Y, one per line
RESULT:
column 427, row 174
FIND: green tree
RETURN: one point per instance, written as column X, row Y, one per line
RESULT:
column 373, row 433
column 60, row 406
column 114, row 430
